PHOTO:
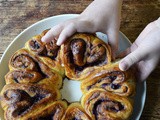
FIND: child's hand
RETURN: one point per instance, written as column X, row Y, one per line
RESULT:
column 99, row 16
column 145, row 51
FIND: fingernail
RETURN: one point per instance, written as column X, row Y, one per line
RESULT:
column 58, row 43
column 43, row 39
column 123, row 66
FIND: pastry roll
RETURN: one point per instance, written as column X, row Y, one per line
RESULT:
column 47, row 52
column 53, row 111
column 81, row 54
column 111, row 79
column 102, row 105
column 22, row 59
column 75, row 112
column 23, row 76
column 35, row 71
column 22, row 100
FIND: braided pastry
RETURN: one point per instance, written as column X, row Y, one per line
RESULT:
column 32, row 90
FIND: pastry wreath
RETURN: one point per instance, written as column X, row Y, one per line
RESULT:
column 37, row 72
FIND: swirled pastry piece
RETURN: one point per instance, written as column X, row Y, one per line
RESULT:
column 21, row 59
column 75, row 112
column 53, row 111
column 102, row 105
column 81, row 54
column 34, row 72
column 111, row 79
column 21, row 100
column 23, row 76
column 47, row 52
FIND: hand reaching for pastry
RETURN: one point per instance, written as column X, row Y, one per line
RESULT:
column 99, row 16
column 145, row 51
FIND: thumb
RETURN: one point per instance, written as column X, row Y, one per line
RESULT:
column 132, row 58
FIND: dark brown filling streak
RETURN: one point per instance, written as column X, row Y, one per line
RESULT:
column 77, row 116
column 19, row 75
column 118, row 107
column 37, row 47
column 50, row 49
column 50, row 116
column 37, row 66
column 111, row 78
column 22, row 64
column 81, row 53
column 18, row 97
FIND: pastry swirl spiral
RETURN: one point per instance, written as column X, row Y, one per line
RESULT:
column 100, row 105
column 111, row 79
column 32, row 90
column 75, row 112
column 22, row 100
column 47, row 52
column 82, row 54
column 35, row 71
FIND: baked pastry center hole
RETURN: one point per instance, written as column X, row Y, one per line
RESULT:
column 71, row 90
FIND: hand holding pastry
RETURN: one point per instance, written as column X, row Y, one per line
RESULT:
column 99, row 16
column 144, row 51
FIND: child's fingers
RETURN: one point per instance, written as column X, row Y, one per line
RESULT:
column 132, row 58
column 113, row 41
column 52, row 33
column 66, row 32
column 133, row 47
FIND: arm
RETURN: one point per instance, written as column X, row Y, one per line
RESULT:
column 99, row 16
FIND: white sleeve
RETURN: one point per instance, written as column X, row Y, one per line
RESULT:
column 157, row 22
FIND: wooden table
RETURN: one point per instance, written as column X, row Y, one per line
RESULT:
column 16, row 15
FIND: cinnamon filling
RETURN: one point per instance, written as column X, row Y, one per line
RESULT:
column 23, row 61
column 96, row 54
column 21, row 100
column 56, row 114
column 83, row 55
column 113, row 79
column 20, row 75
column 78, row 47
column 37, row 47
column 104, row 105
column 52, row 49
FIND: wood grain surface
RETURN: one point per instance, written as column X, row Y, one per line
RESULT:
column 16, row 15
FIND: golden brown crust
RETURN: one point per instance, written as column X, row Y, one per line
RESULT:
column 40, row 73
column 47, row 52
column 35, row 78
column 21, row 59
column 53, row 111
column 75, row 112
column 82, row 54
column 19, row 100
column 100, row 104
column 111, row 79
column 22, row 76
